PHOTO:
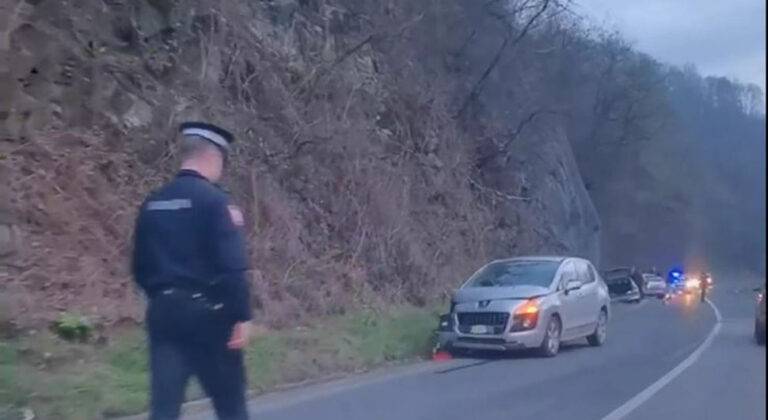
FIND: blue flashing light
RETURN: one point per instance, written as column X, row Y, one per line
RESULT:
column 675, row 275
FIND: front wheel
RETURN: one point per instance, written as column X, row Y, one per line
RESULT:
column 598, row 337
column 551, row 343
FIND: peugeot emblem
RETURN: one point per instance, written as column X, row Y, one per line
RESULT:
column 483, row 303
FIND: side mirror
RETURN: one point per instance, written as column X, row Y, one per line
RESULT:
column 572, row 285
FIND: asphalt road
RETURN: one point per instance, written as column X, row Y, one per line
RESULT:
column 725, row 378
column 728, row 380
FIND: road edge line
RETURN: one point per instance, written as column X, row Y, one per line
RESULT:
column 633, row 403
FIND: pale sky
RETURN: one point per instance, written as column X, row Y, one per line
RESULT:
column 720, row 37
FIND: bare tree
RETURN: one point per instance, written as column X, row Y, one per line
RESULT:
column 510, row 16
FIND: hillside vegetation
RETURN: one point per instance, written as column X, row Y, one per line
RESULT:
column 386, row 148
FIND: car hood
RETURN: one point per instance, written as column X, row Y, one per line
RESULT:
column 475, row 294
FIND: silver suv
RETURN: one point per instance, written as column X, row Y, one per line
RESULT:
column 528, row 302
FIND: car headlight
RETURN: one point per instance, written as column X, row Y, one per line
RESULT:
column 525, row 316
column 692, row 283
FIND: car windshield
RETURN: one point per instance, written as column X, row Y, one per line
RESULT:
column 515, row 273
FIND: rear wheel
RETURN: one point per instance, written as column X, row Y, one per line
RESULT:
column 551, row 343
column 598, row 337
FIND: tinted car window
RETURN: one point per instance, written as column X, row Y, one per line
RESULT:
column 650, row 278
column 515, row 273
column 585, row 273
column 569, row 273
column 593, row 271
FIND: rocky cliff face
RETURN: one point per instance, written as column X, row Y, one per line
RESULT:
column 359, row 182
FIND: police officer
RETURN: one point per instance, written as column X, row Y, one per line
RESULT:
column 704, row 285
column 189, row 259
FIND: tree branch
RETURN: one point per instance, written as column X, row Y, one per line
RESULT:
column 522, row 124
column 478, row 86
column 495, row 192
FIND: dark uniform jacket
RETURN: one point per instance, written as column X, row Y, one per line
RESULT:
column 187, row 238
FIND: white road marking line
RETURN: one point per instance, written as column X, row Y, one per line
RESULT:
column 655, row 387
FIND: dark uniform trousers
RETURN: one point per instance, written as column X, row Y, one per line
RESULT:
column 188, row 336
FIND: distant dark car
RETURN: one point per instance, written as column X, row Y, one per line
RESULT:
column 619, row 276
column 760, row 317
column 621, row 287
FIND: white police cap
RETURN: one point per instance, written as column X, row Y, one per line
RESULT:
column 216, row 135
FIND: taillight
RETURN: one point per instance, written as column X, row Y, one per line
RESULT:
column 525, row 316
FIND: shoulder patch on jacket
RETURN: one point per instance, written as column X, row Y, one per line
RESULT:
column 236, row 215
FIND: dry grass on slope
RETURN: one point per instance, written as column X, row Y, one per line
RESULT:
column 350, row 168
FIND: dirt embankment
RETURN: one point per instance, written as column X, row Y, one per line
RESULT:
column 360, row 183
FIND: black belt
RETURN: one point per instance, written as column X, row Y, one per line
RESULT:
column 193, row 295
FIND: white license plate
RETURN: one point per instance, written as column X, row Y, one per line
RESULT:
column 479, row 329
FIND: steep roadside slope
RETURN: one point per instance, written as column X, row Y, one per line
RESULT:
column 360, row 183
